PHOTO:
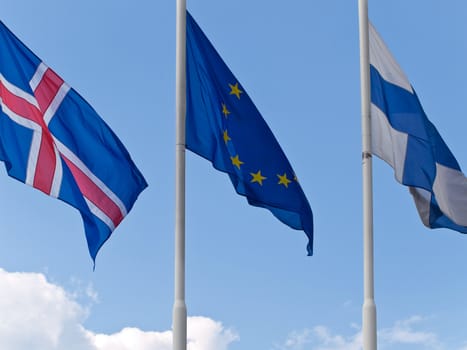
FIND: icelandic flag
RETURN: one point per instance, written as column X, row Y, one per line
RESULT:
column 224, row 126
column 403, row 136
column 53, row 140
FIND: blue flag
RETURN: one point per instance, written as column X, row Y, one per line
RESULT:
column 403, row 136
column 224, row 126
column 53, row 140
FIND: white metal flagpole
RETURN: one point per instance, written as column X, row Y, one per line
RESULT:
column 179, row 326
column 369, row 306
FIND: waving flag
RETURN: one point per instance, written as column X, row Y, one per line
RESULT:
column 403, row 136
column 53, row 140
column 224, row 126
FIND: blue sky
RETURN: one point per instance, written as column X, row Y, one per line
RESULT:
column 249, row 282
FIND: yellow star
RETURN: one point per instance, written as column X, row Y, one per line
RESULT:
column 236, row 161
column 258, row 177
column 226, row 137
column 225, row 111
column 234, row 90
column 283, row 180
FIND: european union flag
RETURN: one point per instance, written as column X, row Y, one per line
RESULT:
column 224, row 126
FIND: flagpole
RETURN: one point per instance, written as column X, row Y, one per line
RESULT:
column 179, row 308
column 369, row 306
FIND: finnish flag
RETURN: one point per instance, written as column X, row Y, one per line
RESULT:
column 403, row 136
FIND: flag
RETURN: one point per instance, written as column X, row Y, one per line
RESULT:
column 403, row 136
column 53, row 140
column 224, row 126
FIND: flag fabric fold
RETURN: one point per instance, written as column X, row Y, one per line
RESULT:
column 403, row 136
column 224, row 126
column 53, row 140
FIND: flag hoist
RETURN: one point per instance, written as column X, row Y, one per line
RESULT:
column 179, row 308
column 369, row 306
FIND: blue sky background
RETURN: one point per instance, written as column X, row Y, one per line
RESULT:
column 248, row 275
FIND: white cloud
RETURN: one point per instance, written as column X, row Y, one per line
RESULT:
column 402, row 333
column 132, row 338
column 321, row 338
column 206, row 334
column 336, row 342
column 91, row 293
column 37, row 315
column 203, row 334
column 297, row 340
column 40, row 315
column 81, row 290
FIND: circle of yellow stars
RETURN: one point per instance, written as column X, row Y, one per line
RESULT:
column 236, row 161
